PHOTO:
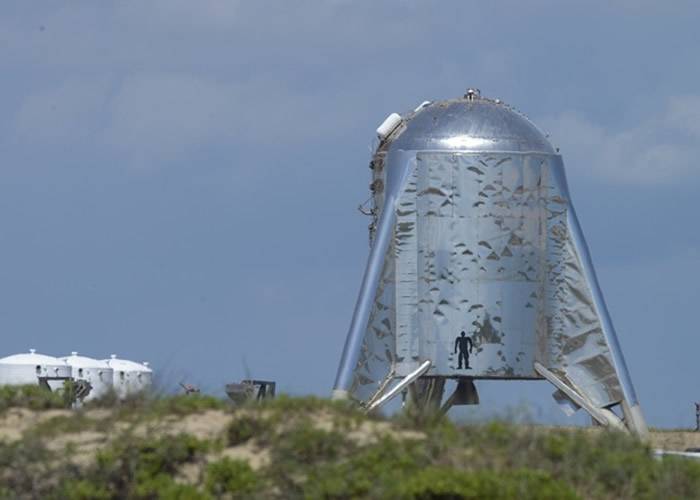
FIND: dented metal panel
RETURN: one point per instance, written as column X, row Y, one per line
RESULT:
column 482, row 246
column 478, row 263
column 378, row 345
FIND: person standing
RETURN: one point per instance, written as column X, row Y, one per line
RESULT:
column 465, row 346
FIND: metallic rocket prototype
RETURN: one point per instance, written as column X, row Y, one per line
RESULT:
column 478, row 269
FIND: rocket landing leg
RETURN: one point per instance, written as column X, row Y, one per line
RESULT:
column 425, row 396
column 384, row 396
column 632, row 420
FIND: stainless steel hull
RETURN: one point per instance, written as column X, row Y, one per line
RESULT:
column 478, row 264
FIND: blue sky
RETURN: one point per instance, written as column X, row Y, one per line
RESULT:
column 179, row 180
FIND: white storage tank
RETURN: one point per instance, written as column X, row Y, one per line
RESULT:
column 96, row 372
column 27, row 368
column 129, row 377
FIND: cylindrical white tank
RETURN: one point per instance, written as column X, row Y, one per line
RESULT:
column 26, row 368
column 96, row 372
column 129, row 377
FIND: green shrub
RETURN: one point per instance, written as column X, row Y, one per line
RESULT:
column 524, row 484
column 285, row 406
column 163, row 487
column 147, row 403
column 246, row 426
column 231, row 476
column 372, row 472
column 306, row 445
column 63, row 424
column 154, row 456
column 317, row 451
column 33, row 397
column 301, row 448
column 674, row 477
column 135, row 466
column 185, row 404
column 82, row 489
column 25, row 466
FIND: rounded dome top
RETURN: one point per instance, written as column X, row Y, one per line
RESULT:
column 84, row 362
column 126, row 366
column 472, row 123
column 31, row 358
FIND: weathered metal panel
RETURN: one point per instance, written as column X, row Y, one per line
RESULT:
column 378, row 344
column 577, row 347
column 479, row 263
column 475, row 232
column 482, row 246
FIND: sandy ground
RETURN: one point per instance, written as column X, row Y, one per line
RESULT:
column 212, row 424
column 675, row 440
column 95, row 431
column 15, row 421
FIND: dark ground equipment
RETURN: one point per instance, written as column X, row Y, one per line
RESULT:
column 250, row 390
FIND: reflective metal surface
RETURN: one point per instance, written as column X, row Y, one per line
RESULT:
column 478, row 263
column 461, row 125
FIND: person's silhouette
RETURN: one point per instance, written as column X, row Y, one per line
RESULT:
column 465, row 346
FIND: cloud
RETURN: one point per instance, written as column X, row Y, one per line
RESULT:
column 160, row 116
column 155, row 118
column 61, row 114
column 214, row 33
column 154, row 81
column 683, row 115
column 661, row 149
column 149, row 83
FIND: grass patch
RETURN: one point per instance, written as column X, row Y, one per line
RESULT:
column 376, row 471
column 315, row 449
column 306, row 444
column 247, row 426
column 148, row 405
column 32, row 397
column 522, row 484
column 186, row 404
column 138, row 468
column 66, row 424
column 233, row 477
column 25, row 466
column 304, row 405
